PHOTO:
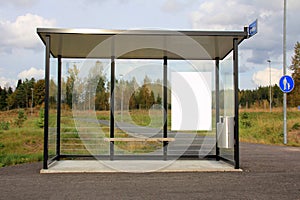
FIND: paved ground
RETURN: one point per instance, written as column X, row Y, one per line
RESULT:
column 270, row 172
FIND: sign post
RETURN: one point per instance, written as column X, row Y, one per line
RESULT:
column 284, row 71
column 253, row 28
column 286, row 84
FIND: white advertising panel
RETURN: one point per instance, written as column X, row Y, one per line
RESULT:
column 191, row 101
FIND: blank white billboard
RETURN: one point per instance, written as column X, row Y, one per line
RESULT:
column 191, row 101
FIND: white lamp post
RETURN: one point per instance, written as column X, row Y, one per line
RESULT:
column 270, row 78
column 121, row 76
column 31, row 101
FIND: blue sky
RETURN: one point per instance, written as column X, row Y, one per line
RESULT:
column 22, row 52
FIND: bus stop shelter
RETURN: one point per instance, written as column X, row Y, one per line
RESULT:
column 167, row 46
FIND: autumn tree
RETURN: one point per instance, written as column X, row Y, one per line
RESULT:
column 294, row 96
column 39, row 92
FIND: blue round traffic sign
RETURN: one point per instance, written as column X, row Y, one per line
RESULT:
column 286, row 83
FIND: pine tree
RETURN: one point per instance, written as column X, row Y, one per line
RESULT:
column 97, row 82
column 158, row 100
column 3, row 97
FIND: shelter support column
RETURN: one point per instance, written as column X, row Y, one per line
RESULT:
column 236, row 103
column 217, row 96
column 58, row 107
column 112, row 107
column 165, row 105
column 46, row 111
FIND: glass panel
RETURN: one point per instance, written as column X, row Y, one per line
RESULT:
column 138, row 106
column 226, row 125
column 85, row 107
column 70, row 142
column 52, row 130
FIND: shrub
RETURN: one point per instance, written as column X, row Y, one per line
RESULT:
column 245, row 121
column 4, row 125
column 296, row 126
column 21, row 118
column 40, row 122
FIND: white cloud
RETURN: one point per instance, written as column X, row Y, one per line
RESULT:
column 7, row 82
column 171, row 6
column 175, row 6
column 22, row 32
column 262, row 78
column 32, row 73
column 235, row 14
column 19, row 3
column 221, row 15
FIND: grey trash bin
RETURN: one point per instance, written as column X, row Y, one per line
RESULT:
column 225, row 131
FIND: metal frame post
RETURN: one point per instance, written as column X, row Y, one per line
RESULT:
column 270, row 84
column 217, row 95
column 58, row 107
column 165, row 104
column 112, row 107
column 46, row 109
column 236, row 103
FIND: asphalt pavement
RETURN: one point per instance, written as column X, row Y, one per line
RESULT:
column 270, row 172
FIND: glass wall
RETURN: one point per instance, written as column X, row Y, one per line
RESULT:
column 138, row 107
column 85, row 107
column 139, row 110
column 52, row 123
column 226, row 100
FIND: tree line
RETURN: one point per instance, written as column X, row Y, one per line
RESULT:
column 260, row 97
column 128, row 93
column 94, row 90
column 27, row 93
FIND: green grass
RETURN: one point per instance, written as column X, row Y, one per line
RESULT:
column 25, row 144
column 13, row 159
column 150, row 118
column 267, row 128
column 20, row 145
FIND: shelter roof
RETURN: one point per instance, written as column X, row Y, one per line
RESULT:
column 140, row 44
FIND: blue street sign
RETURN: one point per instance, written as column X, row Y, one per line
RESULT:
column 253, row 28
column 286, row 83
